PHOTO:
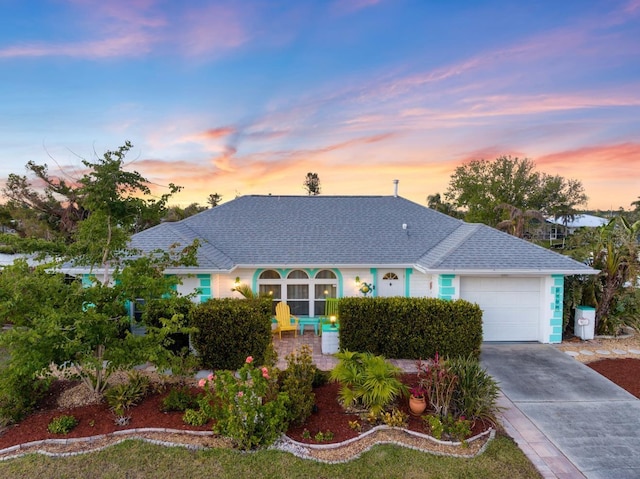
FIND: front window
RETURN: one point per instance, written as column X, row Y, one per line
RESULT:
column 305, row 294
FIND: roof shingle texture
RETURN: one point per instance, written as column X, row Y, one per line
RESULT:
column 344, row 230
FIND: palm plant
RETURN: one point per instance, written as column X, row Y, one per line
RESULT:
column 518, row 219
column 476, row 392
column 367, row 380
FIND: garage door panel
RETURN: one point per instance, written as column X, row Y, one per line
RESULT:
column 504, row 299
column 510, row 306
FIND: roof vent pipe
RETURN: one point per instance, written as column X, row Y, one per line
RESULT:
column 395, row 188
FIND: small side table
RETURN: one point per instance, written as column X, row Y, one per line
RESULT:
column 330, row 341
column 315, row 322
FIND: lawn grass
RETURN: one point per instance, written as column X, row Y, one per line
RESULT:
column 136, row 459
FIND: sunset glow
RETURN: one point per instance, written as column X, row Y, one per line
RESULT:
column 247, row 97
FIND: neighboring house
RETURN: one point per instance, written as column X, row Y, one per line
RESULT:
column 571, row 224
column 304, row 249
column 558, row 229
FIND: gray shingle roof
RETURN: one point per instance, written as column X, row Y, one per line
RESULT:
column 283, row 231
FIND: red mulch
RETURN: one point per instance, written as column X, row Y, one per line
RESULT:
column 93, row 420
column 624, row 372
column 98, row 419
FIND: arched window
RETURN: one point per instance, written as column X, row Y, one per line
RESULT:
column 269, row 274
column 298, row 274
column 390, row 276
column 270, row 283
column 304, row 291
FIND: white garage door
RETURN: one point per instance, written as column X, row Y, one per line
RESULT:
column 510, row 306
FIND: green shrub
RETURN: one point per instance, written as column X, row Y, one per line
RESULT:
column 448, row 427
column 247, row 406
column 62, row 424
column 320, row 378
column 157, row 309
column 19, row 393
column 121, row 397
column 367, row 380
column 179, row 399
column 394, row 418
column 410, row 328
column 195, row 417
column 230, row 330
column 297, row 383
column 476, row 392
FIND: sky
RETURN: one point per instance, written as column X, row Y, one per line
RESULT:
column 246, row 97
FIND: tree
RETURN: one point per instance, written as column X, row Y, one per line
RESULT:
column 175, row 213
column 50, row 211
column 518, row 220
column 51, row 208
column 435, row 203
column 59, row 320
column 118, row 207
column 613, row 250
column 214, row 199
column 312, row 184
column 481, row 187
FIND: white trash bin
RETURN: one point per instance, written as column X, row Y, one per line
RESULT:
column 584, row 322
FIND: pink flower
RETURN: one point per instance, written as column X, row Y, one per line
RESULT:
column 249, row 359
column 265, row 372
column 240, row 394
column 202, row 383
column 211, row 377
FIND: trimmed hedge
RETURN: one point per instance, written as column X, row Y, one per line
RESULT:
column 410, row 328
column 231, row 329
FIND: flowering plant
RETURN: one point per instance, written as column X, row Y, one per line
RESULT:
column 417, row 391
column 440, row 381
column 247, row 406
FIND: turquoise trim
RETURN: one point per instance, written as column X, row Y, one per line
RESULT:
column 310, row 271
column 446, row 289
column 204, row 289
column 374, row 273
column 407, row 282
column 87, row 281
column 555, row 307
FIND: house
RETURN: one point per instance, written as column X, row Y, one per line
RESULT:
column 570, row 224
column 304, row 249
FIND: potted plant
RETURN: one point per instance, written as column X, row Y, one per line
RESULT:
column 417, row 400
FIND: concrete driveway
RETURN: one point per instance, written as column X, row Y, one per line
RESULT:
column 592, row 421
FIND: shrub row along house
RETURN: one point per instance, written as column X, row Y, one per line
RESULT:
column 305, row 249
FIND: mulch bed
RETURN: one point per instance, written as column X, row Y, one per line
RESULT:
column 97, row 419
column 624, row 372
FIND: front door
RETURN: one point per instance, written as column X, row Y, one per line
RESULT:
column 391, row 283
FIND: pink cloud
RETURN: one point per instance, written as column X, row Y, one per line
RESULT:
column 601, row 162
column 215, row 133
column 213, row 29
column 123, row 28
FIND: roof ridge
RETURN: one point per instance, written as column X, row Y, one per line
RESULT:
column 439, row 252
column 203, row 241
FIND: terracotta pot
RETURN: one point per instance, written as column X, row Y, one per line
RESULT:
column 417, row 405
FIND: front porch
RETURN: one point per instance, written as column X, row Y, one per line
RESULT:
column 324, row 362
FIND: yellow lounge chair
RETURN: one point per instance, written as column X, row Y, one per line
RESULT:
column 284, row 317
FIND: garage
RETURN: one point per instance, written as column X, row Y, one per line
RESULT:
column 510, row 306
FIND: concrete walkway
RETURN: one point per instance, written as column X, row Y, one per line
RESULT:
column 569, row 420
